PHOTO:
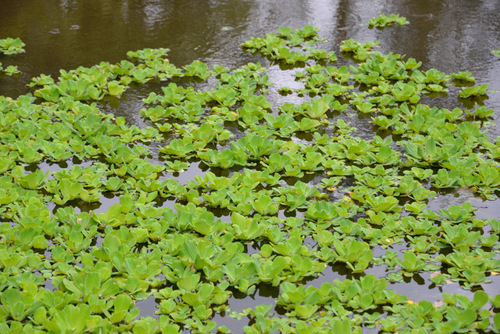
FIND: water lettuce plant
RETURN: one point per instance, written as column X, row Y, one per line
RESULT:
column 383, row 21
column 473, row 91
column 97, row 215
column 496, row 53
column 11, row 46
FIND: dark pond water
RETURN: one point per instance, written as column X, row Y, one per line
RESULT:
column 449, row 35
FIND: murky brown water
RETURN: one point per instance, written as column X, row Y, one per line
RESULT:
column 449, row 35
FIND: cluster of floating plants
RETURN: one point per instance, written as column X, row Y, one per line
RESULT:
column 10, row 46
column 384, row 21
column 287, row 192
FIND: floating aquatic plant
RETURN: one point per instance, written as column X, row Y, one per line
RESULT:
column 383, row 21
column 496, row 53
column 11, row 46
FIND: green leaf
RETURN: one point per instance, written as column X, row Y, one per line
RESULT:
column 179, row 147
column 205, row 224
column 480, row 299
column 11, row 299
column 322, row 210
column 264, row 205
column 71, row 319
column 121, row 306
column 246, row 228
column 318, row 107
column 115, row 89
column 341, row 326
column 496, row 320
column 145, row 325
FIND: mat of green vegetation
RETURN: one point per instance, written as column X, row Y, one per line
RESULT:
column 299, row 189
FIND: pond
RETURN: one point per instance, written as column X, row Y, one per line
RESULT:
column 165, row 260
